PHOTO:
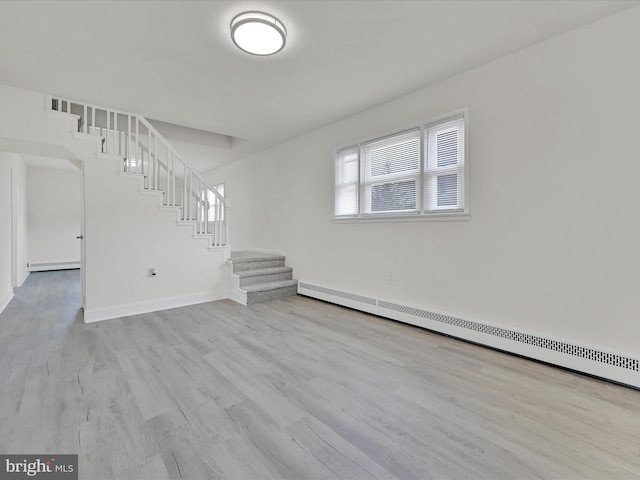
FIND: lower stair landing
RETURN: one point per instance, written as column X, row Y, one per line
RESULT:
column 260, row 277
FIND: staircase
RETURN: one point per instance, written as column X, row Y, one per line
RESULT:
column 145, row 154
column 260, row 277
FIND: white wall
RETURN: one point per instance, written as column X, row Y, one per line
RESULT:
column 552, row 244
column 9, row 162
column 126, row 235
column 53, row 206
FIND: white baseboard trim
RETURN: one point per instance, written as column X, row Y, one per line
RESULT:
column 5, row 299
column 603, row 362
column 235, row 292
column 118, row 311
column 238, row 296
column 22, row 280
column 45, row 266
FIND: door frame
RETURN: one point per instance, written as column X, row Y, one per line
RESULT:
column 83, row 277
column 15, row 198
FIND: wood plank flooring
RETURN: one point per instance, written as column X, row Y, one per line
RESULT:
column 295, row 389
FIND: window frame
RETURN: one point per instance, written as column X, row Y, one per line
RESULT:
column 420, row 213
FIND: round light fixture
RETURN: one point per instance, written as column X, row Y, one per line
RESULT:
column 258, row 33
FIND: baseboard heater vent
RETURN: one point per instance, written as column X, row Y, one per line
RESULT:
column 564, row 347
column 338, row 293
column 588, row 359
column 44, row 266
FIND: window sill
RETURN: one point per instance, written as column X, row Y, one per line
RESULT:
column 434, row 217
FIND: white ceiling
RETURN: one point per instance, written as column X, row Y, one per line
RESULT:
column 173, row 61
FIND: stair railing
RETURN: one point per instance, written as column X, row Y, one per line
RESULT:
column 146, row 152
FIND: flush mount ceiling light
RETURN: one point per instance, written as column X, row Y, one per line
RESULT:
column 258, row 33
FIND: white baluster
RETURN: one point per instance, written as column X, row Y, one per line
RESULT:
column 128, row 152
column 157, row 162
column 139, row 147
column 173, row 179
column 167, row 190
column 150, row 173
column 205, row 208
column 107, row 132
column 189, row 192
column 219, row 220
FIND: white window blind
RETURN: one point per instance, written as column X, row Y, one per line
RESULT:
column 413, row 173
column 392, row 173
column 347, row 179
column 444, row 166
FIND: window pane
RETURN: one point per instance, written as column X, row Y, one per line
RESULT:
column 445, row 144
column 447, row 190
column 393, row 196
column 346, row 200
column 447, row 153
column 347, row 168
column 394, row 155
column 346, row 187
column 401, row 157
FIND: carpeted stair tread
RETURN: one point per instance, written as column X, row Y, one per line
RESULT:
column 248, row 257
column 263, row 287
column 264, row 271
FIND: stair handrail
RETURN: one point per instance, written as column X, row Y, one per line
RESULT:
column 87, row 121
column 158, row 135
column 84, row 126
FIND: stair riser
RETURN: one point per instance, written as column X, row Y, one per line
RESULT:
column 244, row 266
column 259, row 297
column 274, row 277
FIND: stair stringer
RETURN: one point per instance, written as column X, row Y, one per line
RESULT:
column 235, row 292
column 74, row 119
column 144, row 150
column 159, row 194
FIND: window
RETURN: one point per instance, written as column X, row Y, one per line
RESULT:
column 214, row 203
column 420, row 172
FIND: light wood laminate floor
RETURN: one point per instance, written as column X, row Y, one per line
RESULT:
column 296, row 389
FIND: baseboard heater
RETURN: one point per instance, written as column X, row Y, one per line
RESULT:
column 600, row 362
column 44, row 266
